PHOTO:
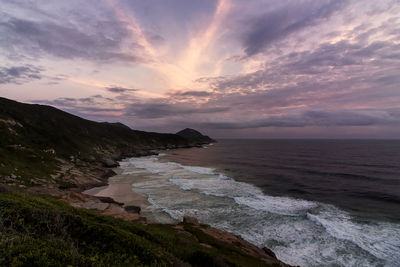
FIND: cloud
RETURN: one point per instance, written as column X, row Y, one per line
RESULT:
column 119, row 89
column 314, row 118
column 155, row 109
column 95, row 105
column 20, row 74
column 32, row 38
column 328, row 67
column 278, row 65
column 190, row 94
column 284, row 19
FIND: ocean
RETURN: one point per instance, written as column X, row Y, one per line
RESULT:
column 313, row 202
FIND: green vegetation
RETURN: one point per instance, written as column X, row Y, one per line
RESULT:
column 35, row 137
column 43, row 231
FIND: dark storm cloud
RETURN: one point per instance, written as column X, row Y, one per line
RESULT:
column 20, row 74
column 162, row 110
column 119, row 89
column 287, row 18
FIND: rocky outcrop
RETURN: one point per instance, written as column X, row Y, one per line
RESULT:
column 195, row 137
column 133, row 209
column 190, row 220
column 102, row 205
column 110, row 163
column 265, row 254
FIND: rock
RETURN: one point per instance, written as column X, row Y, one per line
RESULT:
column 85, row 187
column 110, row 163
column 109, row 200
column 108, row 174
column 190, row 220
column 132, row 209
column 90, row 159
column 95, row 206
column 51, row 190
column 67, row 186
column 141, row 153
column 50, row 150
column 269, row 252
column 143, row 220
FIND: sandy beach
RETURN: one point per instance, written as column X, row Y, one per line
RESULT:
column 119, row 188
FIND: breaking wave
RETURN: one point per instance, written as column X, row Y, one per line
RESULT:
column 300, row 232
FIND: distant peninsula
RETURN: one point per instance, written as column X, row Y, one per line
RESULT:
column 195, row 136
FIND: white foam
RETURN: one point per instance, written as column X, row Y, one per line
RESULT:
column 223, row 176
column 200, row 170
column 246, row 194
column 150, row 164
column 300, row 232
column 277, row 205
column 381, row 239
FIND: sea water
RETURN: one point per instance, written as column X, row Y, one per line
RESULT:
column 314, row 203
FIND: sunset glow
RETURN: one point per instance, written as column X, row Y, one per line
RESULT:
column 259, row 69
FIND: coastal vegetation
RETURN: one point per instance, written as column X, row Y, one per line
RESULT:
column 37, row 141
column 43, row 231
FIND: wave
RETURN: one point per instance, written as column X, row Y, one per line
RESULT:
column 299, row 231
column 200, row 170
column 246, row 194
column 381, row 239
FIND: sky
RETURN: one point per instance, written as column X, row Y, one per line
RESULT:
column 229, row 68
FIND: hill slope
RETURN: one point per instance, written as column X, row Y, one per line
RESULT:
column 38, row 141
column 43, row 231
column 195, row 136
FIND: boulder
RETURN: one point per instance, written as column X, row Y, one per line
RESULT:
column 107, row 174
column 132, row 209
column 190, row 220
column 269, row 252
column 110, row 163
column 109, row 200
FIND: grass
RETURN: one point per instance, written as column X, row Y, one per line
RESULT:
column 43, row 231
column 27, row 131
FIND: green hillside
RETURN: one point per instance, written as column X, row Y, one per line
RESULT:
column 34, row 138
column 43, row 231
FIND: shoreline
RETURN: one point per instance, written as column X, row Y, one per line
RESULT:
column 120, row 190
column 118, row 187
column 108, row 195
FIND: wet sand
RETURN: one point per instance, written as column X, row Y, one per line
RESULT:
column 119, row 188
